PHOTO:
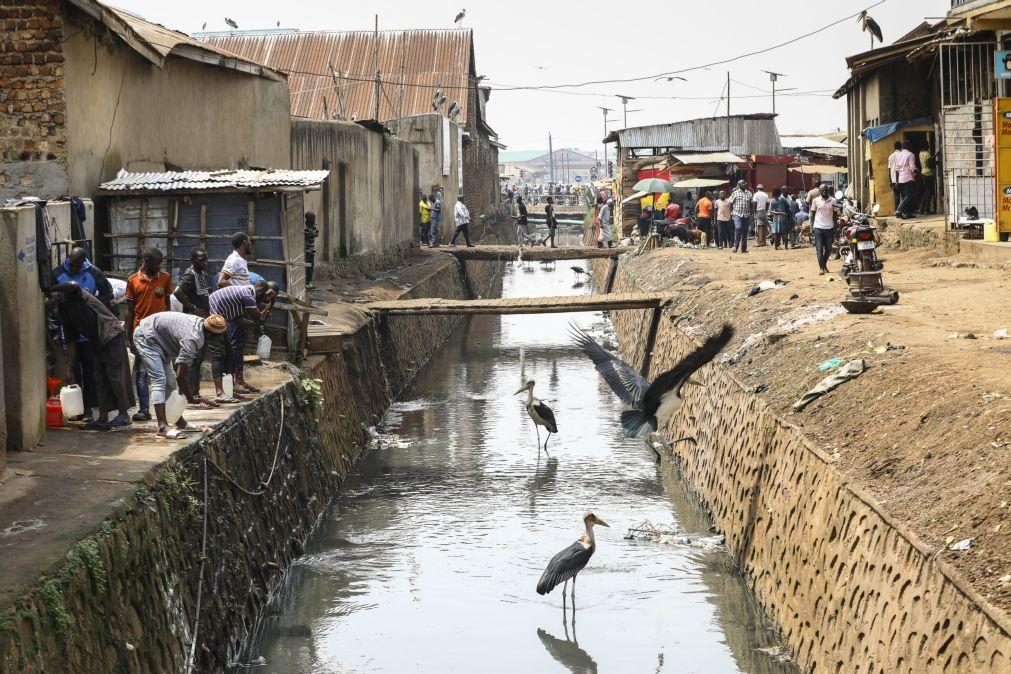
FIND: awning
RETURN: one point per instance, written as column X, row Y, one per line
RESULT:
column 709, row 158
column 876, row 133
column 824, row 170
column 633, row 197
column 700, row 182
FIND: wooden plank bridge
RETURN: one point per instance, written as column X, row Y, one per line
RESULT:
column 438, row 306
column 536, row 253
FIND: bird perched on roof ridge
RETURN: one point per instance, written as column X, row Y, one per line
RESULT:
column 869, row 25
column 231, row 23
column 541, row 415
column 654, row 403
column 459, row 17
column 570, row 561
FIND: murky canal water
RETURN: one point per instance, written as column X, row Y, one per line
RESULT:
column 429, row 559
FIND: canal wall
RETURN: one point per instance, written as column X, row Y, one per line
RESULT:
column 201, row 543
column 851, row 588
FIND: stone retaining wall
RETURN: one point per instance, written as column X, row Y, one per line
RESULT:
column 852, row 590
column 124, row 599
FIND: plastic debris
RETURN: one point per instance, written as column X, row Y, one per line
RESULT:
column 953, row 335
column 851, row 370
column 962, row 545
column 1000, row 334
column 766, row 285
column 969, row 335
column 830, row 365
column 672, row 536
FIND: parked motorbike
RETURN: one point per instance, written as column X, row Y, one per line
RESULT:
column 861, row 266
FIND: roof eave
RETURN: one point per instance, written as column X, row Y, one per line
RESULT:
column 108, row 18
column 220, row 60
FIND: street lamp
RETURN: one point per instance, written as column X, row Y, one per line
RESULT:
column 772, row 78
column 624, row 105
column 605, row 111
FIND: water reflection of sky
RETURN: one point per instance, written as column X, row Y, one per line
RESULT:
column 428, row 561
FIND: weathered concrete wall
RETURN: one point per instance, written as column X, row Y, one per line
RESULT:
column 367, row 208
column 124, row 599
column 123, row 112
column 24, row 339
column 425, row 133
column 851, row 589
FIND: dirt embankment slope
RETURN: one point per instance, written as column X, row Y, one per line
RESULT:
column 926, row 429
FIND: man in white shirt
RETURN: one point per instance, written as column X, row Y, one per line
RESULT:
column 235, row 270
column 462, row 215
column 822, row 219
column 761, row 201
column 892, row 179
column 905, row 174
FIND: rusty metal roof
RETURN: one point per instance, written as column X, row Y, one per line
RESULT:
column 414, row 64
column 223, row 180
column 749, row 134
column 156, row 42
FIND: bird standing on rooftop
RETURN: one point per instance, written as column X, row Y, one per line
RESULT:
column 541, row 415
column 653, row 404
column 570, row 561
column 459, row 17
column 869, row 25
column 231, row 23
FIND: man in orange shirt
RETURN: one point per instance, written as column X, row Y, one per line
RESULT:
column 147, row 293
column 704, row 210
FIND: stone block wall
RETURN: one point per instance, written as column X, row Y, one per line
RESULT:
column 851, row 589
column 32, row 105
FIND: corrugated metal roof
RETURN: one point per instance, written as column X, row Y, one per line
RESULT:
column 177, row 181
column 413, row 64
column 810, row 142
column 709, row 158
column 156, row 42
column 749, row 134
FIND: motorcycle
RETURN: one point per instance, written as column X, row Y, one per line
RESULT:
column 861, row 266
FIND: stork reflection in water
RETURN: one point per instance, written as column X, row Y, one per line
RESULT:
column 570, row 561
column 540, row 413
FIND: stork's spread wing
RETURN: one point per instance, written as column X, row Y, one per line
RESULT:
column 567, row 653
column 672, row 380
column 544, row 412
column 626, row 383
column 564, row 566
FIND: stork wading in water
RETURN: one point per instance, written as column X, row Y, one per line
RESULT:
column 570, row 561
column 541, row 415
column 653, row 404
column 578, row 272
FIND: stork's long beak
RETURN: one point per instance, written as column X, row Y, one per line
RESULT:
column 520, row 391
column 601, row 522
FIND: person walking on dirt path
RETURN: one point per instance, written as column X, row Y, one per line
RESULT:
column 168, row 343
column 906, row 173
column 741, row 208
column 462, row 216
column 425, row 211
column 724, row 221
column 822, row 219
column 779, row 209
column 549, row 211
column 704, row 212
column 522, row 223
column 761, row 200
column 147, row 293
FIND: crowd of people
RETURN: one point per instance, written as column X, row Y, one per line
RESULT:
column 216, row 312
column 911, row 174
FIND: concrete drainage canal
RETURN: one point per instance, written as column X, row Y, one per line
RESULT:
column 428, row 559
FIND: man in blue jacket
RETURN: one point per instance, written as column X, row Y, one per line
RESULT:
column 78, row 270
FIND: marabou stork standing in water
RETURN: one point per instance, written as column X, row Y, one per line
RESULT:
column 570, row 561
column 653, row 404
column 578, row 272
column 541, row 415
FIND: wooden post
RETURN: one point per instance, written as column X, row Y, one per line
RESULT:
column 173, row 225
column 203, row 225
column 611, row 273
column 647, row 357
column 142, row 230
column 251, row 220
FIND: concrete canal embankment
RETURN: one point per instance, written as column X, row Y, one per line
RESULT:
column 125, row 597
column 852, row 586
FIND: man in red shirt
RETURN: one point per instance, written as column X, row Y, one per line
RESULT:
column 672, row 212
column 147, row 293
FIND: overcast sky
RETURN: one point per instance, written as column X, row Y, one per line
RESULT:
column 531, row 43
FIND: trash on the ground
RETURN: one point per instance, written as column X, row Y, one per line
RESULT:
column 794, row 296
column 777, row 653
column 1005, row 578
column 759, row 388
column 830, row 365
column 672, row 535
column 1000, row 334
column 851, row 370
column 953, row 335
column 766, row 285
column 963, row 544
column 969, row 335
column 894, row 347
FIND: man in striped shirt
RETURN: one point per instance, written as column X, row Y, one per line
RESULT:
column 741, row 203
column 240, row 307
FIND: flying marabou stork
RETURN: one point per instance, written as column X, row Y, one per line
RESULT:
column 459, row 17
column 231, row 23
column 652, row 404
column 540, row 413
column 570, row 561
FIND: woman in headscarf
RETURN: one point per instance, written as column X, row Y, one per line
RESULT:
column 606, row 213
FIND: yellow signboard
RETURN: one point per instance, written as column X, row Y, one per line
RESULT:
column 1002, row 128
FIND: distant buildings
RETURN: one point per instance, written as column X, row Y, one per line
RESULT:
column 535, row 167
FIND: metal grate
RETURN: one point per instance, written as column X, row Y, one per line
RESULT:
column 967, row 72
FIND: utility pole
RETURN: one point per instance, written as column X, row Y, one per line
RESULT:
column 772, row 78
column 551, row 161
column 378, row 78
column 605, row 111
column 728, row 111
column 624, row 105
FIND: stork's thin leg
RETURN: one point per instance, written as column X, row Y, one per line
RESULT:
column 546, row 443
column 574, row 593
column 538, row 429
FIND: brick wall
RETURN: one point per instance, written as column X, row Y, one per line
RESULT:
column 480, row 166
column 32, row 124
